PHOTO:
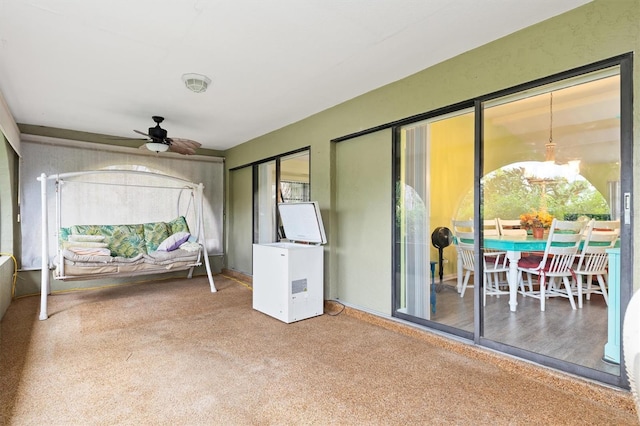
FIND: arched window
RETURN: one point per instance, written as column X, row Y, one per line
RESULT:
column 529, row 186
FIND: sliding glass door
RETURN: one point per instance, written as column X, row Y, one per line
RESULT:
column 555, row 151
column 560, row 148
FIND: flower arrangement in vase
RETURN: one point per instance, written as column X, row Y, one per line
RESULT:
column 537, row 222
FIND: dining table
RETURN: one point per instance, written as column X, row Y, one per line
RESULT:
column 514, row 246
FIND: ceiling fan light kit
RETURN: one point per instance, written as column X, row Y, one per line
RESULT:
column 157, row 146
column 197, row 83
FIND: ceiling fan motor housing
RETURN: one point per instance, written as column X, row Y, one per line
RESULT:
column 157, row 133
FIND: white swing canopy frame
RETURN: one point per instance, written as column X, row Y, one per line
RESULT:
column 61, row 178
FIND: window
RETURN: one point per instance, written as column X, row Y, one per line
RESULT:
column 283, row 179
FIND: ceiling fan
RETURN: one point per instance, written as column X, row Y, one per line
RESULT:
column 159, row 142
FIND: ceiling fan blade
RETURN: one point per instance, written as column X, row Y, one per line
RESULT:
column 186, row 142
column 122, row 138
column 179, row 149
column 142, row 133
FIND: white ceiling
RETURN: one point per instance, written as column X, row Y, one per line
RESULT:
column 108, row 66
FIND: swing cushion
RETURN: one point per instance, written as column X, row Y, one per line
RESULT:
column 63, row 235
column 154, row 234
column 122, row 240
column 178, row 224
column 128, row 241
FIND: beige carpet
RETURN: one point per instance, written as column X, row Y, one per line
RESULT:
column 171, row 352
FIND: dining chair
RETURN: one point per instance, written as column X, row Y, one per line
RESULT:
column 496, row 274
column 461, row 226
column 467, row 256
column 458, row 227
column 494, row 265
column 606, row 226
column 510, row 227
column 490, row 227
column 593, row 259
column 497, row 281
column 555, row 263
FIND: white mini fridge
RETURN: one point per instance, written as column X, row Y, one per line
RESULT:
column 288, row 276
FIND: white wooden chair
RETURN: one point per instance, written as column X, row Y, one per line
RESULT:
column 490, row 227
column 494, row 265
column 461, row 226
column 606, row 226
column 555, row 263
column 496, row 283
column 594, row 259
column 510, row 227
column 458, row 226
column 466, row 255
column 496, row 274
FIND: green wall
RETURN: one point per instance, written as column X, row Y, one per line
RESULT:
column 363, row 208
column 240, row 225
column 596, row 31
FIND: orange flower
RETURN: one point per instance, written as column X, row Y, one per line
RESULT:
column 536, row 220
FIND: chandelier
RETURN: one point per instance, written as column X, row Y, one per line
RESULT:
column 549, row 170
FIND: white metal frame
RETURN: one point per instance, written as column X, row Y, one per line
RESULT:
column 60, row 178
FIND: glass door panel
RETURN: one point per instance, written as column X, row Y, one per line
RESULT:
column 435, row 171
column 266, row 200
column 554, row 151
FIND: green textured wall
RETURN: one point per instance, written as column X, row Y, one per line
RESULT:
column 240, row 208
column 596, row 31
column 363, row 221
